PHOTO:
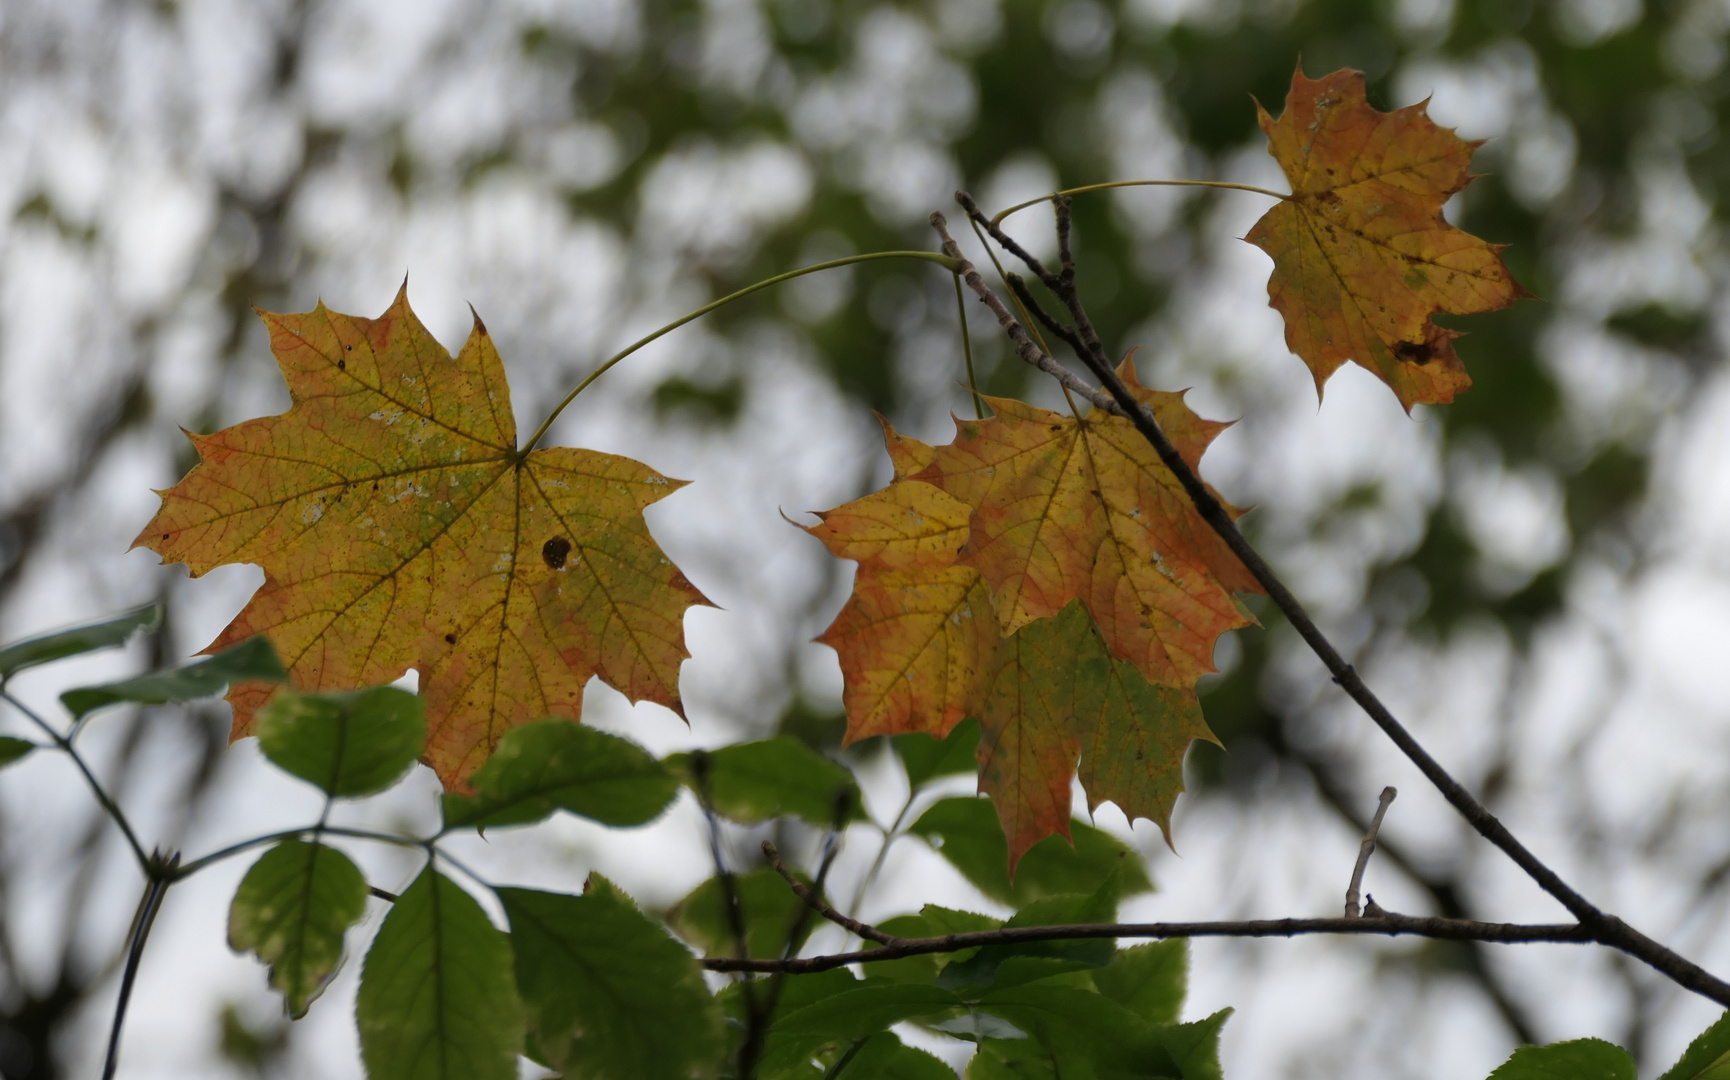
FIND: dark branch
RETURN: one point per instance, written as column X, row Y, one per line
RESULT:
column 1388, row 925
column 1604, row 928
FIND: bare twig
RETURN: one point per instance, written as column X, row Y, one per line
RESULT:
column 1365, row 850
column 816, row 903
column 1383, row 924
column 1601, row 927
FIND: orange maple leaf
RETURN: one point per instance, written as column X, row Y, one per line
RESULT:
column 1067, row 509
column 399, row 527
column 1362, row 255
column 921, row 649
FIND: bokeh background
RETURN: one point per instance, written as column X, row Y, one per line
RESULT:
column 1535, row 577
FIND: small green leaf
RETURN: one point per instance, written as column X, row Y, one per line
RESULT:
column 12, row 749
column 1150, row 980
column 768, row 905
column 967, row 833
column 755, row 781
column 252, row 660
column 1577, row 1059
column 1707, row 1057
column 926, row 759
column 437, row 999
column 292, row 909
column 606, row 992
column 353, row 743
column 103, row 635
column 849, row 1016
column 885, row 1057
column 558, row 764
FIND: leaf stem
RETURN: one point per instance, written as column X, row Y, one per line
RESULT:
column 967, row 352
column 232, row 850
column 942, row 260
column 1001, row 214
column 63, row 744
column 890, row 835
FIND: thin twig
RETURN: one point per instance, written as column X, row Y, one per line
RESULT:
column 161, row 873
column 1385, row 924
column 815, row 902
column 1604, row 928
column 1366, row 849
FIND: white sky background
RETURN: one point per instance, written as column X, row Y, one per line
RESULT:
column 138, row 130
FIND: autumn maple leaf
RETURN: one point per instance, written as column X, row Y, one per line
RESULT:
column 1362, row 255
column 1071, row 509
column 921, row 649
column 399, row 527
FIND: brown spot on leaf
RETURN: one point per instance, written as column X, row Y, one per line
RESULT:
column 1415, row 352
column 342, row 365
column 555, row 551
column 450, row 639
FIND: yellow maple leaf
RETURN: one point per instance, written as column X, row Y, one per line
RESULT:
column 1362, row 255
column 399, row 527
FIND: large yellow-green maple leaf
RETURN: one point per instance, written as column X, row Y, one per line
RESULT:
column 921, row 649
column 399, row 527
column 1362, row 255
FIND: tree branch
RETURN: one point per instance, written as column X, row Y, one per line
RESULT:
column 1386, row 924
column 1604, row 928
